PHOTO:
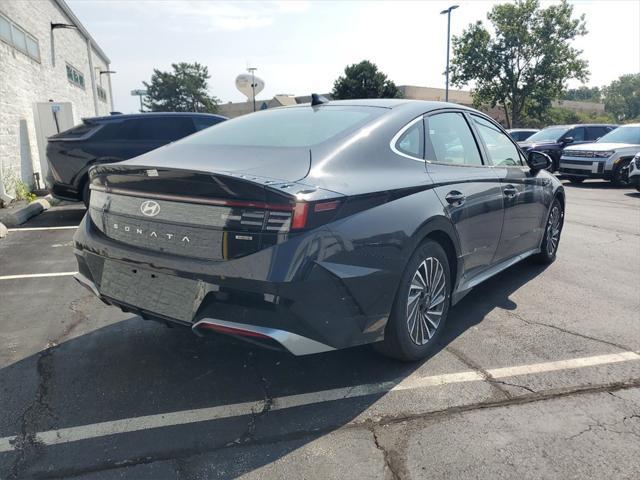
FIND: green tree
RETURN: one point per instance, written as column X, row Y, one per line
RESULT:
column 583, row 94
column 523, row 67
column 182, row 90
column 622, row 97
column 364, row 80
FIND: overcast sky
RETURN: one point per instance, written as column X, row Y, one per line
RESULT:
column 302, row 47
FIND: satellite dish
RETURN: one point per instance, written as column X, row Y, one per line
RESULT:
column 243, row 84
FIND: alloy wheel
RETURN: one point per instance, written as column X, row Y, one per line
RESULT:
column 426, row 300
column 553, row 229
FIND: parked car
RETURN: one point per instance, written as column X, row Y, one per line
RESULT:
column 634, row 172
column 552, row 140
column 521, row 134
column 317, row 227
column 608, row 158
column 110, row 139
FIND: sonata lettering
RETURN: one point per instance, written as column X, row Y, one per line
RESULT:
column 152, row 234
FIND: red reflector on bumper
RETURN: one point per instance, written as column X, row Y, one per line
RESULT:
column 232, row 331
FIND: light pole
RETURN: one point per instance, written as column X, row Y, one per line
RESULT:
column 448, row 12
column 253, row 85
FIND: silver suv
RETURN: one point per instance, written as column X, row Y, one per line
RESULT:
column 634, row 172
column 608, row 158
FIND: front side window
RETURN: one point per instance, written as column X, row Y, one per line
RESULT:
column 501, row 150
column 578, row 134
column 411, row 142
column 451, row 141
column 288, row 127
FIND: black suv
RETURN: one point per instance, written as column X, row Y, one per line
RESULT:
column 111, row 139
column 552, row 140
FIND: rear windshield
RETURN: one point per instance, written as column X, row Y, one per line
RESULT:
column 630, row 134
column 287, row 127
column 552, row 134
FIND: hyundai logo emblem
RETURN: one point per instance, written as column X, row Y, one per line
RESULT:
column 150, row 208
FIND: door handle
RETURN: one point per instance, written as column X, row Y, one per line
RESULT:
column 455, row 197
column 510, row 191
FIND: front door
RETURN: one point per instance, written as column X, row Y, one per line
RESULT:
column 525, row 201
column 467, row 187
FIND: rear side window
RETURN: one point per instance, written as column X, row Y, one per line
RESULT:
column 500, row 148
column 594, row 133
column 411, row 142
column 166, row 129
column 451, row 140
column 205, row 122
column 288, row 127
column 78, row 131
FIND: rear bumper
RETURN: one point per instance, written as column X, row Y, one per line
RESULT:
column 286, row 293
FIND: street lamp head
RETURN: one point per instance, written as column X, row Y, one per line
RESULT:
column 448, row 10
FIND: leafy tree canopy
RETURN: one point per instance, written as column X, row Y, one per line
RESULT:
column 182, row 90
column 525, row 63
column 364, row 80
column 622, row 97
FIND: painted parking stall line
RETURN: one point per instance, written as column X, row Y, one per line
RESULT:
column 41, row 229
column 37, row 275
column 184, row 417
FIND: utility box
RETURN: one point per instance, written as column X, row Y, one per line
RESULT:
column 50, row 118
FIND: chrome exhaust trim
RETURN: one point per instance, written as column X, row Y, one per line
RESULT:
column 294, row 343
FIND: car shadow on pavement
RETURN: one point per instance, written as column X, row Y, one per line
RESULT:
column 135, row 368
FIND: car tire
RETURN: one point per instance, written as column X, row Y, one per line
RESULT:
column 417, row 321
column 576, row 180
column 551, row 238
column 620, row 176
column 86, row 194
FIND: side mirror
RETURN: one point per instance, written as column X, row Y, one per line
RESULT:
column 567, row 140
column 538, row 161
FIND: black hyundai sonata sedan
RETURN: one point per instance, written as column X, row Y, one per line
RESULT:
column 320, row 226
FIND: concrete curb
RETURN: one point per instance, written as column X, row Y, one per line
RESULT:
column 28, row 211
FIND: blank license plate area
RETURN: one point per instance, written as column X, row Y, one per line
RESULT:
column 155, row 292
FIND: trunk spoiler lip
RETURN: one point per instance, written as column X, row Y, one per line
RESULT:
column 190, row 199
column 290, row 190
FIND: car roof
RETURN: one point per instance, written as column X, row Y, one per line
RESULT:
column 129, row 116
column 523, row 130
column 582, row 125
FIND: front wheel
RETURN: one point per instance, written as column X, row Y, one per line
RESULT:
column 421, row 306
column 551, row 238
column 620, row 177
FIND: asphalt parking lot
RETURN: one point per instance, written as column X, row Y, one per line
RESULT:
column 537, row 376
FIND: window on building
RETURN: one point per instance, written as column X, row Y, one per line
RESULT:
column 19, row 38
column 102, row 94
column 74, row 76
column 5, row 29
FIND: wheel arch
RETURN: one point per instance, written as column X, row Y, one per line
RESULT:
column 441, row 231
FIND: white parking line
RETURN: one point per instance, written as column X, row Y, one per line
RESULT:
column 37, row 275
column 39, row 229
column 185, row 417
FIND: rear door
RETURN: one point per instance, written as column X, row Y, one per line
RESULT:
column 523, row 192
column 467, row 186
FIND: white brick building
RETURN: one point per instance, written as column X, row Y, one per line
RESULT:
column 45, row 55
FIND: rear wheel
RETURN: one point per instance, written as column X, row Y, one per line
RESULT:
column 421, row 305
column 551, row 239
